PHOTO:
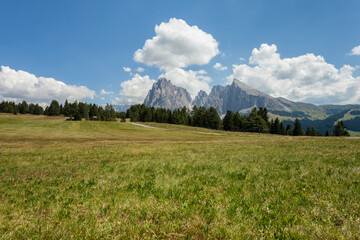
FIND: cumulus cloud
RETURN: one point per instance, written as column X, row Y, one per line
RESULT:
column 177, row 45
column 306, row 78
column 127, row 69
column 22, row 85
column 140, row 69
column 355, row 50
column 103, row 92
column 134, row 90
column 218, row 66
column 192, row 81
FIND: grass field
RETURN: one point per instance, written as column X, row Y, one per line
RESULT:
column 114, row 180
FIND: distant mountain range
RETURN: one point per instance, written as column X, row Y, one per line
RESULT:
column 121, row 108
column 240, row 97
column 237, row 97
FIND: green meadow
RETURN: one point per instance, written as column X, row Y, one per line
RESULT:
column 113, row 180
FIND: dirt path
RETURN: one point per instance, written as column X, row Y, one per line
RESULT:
column 146, row 126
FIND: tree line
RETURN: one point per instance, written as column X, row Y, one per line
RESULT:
column 23, row 108
column 75, row 111
column 198, row 116
column 256, row 121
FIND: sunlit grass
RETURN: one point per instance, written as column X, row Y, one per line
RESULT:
column 63, row 179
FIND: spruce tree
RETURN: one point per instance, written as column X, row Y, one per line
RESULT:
column 340, row 130
column 23, row 107
column 54, row 108
column 214, row 121
column 282, row 129
column 314, row 132
column 238, row 124
column 298, row 131
column 228, row 121
column 289, row 130
column 276, row 126
column 77, row 117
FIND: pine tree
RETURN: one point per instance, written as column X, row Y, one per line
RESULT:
column 214, row 121
column 314, row 132
column 83, row 110
column 272, row 131
column 276, row 126
column 340, row 130
column 263, row 114
column 66, row 110
column 282, row 129
column 289, row 130
column 238, row 123
column 54, row 108
column 77, row 117
column 298, row 131
column 228, row 121
column 23, row 107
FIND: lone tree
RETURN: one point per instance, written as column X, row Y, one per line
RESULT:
column 340, row 130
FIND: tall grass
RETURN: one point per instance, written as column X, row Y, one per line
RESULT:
column 115, row 180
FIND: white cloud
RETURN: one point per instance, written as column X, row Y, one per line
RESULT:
column 103, row 92
column 192, row 81
column 127, row 69
column 134, row 90
column 218, row 66
column 26, row 86
column 177, row 44
column 242, row 59
column 140, row 69
column 306, row 78
column 355, row 50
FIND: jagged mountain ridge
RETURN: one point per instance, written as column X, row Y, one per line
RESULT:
column 237, row 97
column 165, row 95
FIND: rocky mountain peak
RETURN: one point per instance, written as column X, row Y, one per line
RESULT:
column 163, row 82
column 165, row 95
column 247, row 88
column 237, row 97
column 200, row 99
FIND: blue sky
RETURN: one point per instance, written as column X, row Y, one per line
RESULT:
column 88, row 43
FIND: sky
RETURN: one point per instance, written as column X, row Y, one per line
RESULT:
column 113, row 51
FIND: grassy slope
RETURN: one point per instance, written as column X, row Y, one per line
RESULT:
column 349, row 116
column 111, row 180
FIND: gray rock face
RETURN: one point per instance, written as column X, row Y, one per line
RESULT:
column 238, row 97
column 201, row 98
column 165, row 95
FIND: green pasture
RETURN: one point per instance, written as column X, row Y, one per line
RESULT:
column 114, row 180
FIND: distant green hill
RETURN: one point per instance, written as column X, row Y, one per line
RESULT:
column 350, row 117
